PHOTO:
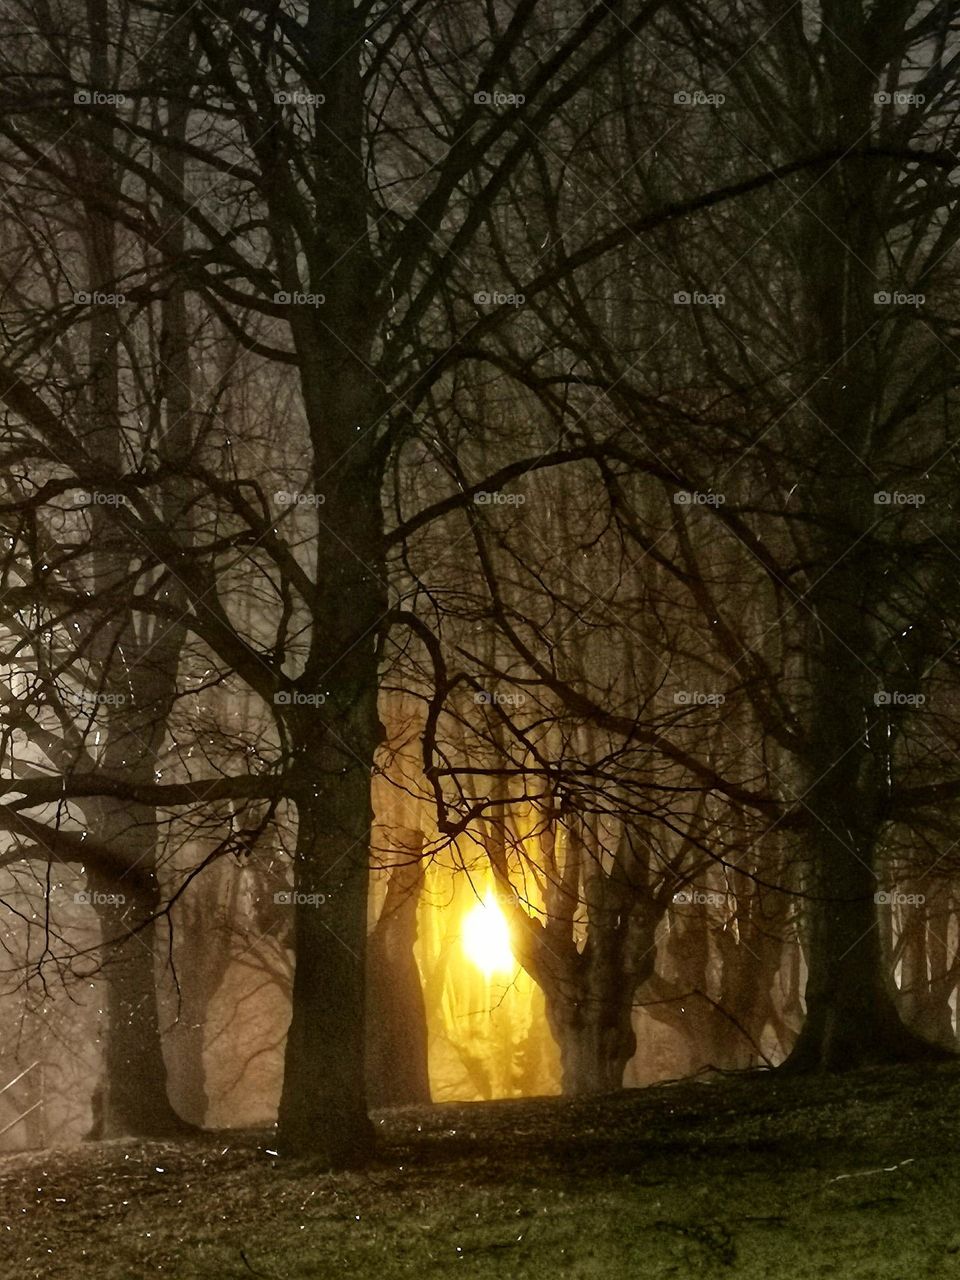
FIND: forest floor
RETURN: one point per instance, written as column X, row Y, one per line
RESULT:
column 856, row 1177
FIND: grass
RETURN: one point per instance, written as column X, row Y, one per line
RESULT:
column 855, row 1177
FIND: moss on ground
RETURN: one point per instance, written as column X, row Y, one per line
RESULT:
column 855, row 1177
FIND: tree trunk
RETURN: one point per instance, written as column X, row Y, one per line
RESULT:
column 924, row 988
column 852, row 1019
column 202, row 958
column 397, row 1072
column 851, row 1014
column 588, row 993
column 596, row 1041
column 138, row 664
column 323, row 1105
column 131, row 1097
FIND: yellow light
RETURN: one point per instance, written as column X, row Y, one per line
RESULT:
column 486, row 937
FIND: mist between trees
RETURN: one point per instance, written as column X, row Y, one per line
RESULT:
column 465, row 458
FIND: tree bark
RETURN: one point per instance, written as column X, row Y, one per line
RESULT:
column 397, row 1071
column 595, row 1038
column 138, row 664
column 131, row 1097
column 323, row 1106
column 588, row 993
column 852, row 1019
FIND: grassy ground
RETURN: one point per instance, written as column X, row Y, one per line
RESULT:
column 758, row 1176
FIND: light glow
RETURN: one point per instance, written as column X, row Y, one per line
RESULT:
column 486, row 937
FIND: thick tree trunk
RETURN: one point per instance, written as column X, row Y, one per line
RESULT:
column 139, row 665
column 590, row 1002
column 852, row 1019
column 588, row 993
column 131, row 1098
column 596, row 1041
column 851, row 1014
column 397, row 1071
column 589, row 1005
column 323, row 1107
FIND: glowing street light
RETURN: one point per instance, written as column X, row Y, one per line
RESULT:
column 486, row 937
